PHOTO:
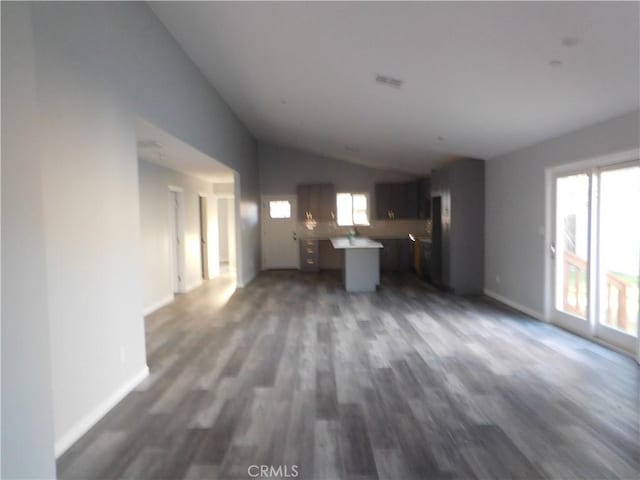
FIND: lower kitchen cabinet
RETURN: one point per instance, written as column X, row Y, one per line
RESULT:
column 396, row 255
column 426, row 259
column 309, row 255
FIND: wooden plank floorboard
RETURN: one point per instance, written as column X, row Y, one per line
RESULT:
column 404, row 383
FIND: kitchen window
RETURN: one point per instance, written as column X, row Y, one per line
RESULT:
column 353, row 209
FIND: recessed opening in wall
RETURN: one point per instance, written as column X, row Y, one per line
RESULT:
column 190, row 236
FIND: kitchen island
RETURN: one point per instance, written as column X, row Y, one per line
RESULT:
column 361, row 269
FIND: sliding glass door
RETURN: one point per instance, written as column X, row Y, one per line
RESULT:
column 596, row 253
column 618, row 255
column 571, row 251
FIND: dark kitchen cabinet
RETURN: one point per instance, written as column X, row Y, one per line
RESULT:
column 406, row 255
column 396, row 201
column 391, row 199
column 396, row 254
column 383, row 201
column 426, row 259
column 424, row 198
column 409, row 207
column 317, row 201
column 388, row 255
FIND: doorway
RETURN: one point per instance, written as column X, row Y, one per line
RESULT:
column 279, row 238
column 595, row 253
column 226, row 235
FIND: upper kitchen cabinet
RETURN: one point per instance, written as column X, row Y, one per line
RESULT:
column 409, row 208
column 395, row 201
column 316, row 200
column 328, row 204
column 391, row 200
column 424, row 198
column 383, row 201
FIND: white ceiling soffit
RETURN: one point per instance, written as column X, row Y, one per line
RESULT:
column 159, row 147
column 406, row 85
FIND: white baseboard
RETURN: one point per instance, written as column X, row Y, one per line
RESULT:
column 155, row 306
column 89, row 420
column 515, row 305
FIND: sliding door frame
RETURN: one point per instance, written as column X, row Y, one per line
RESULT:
column 594, row 331
column 568, row 321
column 606, row 333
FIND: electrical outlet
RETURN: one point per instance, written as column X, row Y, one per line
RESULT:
column 498, row 279
column 122, row 355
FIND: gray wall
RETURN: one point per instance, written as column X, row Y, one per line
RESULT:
column 282, row 169
column 96, row 67
column 27, row 421
column 515, row 205
column 157, row 258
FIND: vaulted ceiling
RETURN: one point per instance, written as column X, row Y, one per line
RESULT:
column 479, row 79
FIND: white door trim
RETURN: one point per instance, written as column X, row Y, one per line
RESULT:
column 176, row 232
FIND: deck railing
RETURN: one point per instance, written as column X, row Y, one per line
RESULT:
column 575, row 284
column 575, row 269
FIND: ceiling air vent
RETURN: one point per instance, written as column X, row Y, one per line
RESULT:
column 390, row 81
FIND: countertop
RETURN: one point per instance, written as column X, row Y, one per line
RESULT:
column 358, row 242
column 404, row 236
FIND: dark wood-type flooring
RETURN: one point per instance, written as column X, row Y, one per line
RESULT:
column 404, row 383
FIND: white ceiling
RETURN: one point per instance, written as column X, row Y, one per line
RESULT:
column 159, row 147
column 476, row 74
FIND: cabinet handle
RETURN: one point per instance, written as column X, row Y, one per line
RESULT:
column 310, row 262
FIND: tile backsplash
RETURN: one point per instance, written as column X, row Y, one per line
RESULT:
column 377, row 229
